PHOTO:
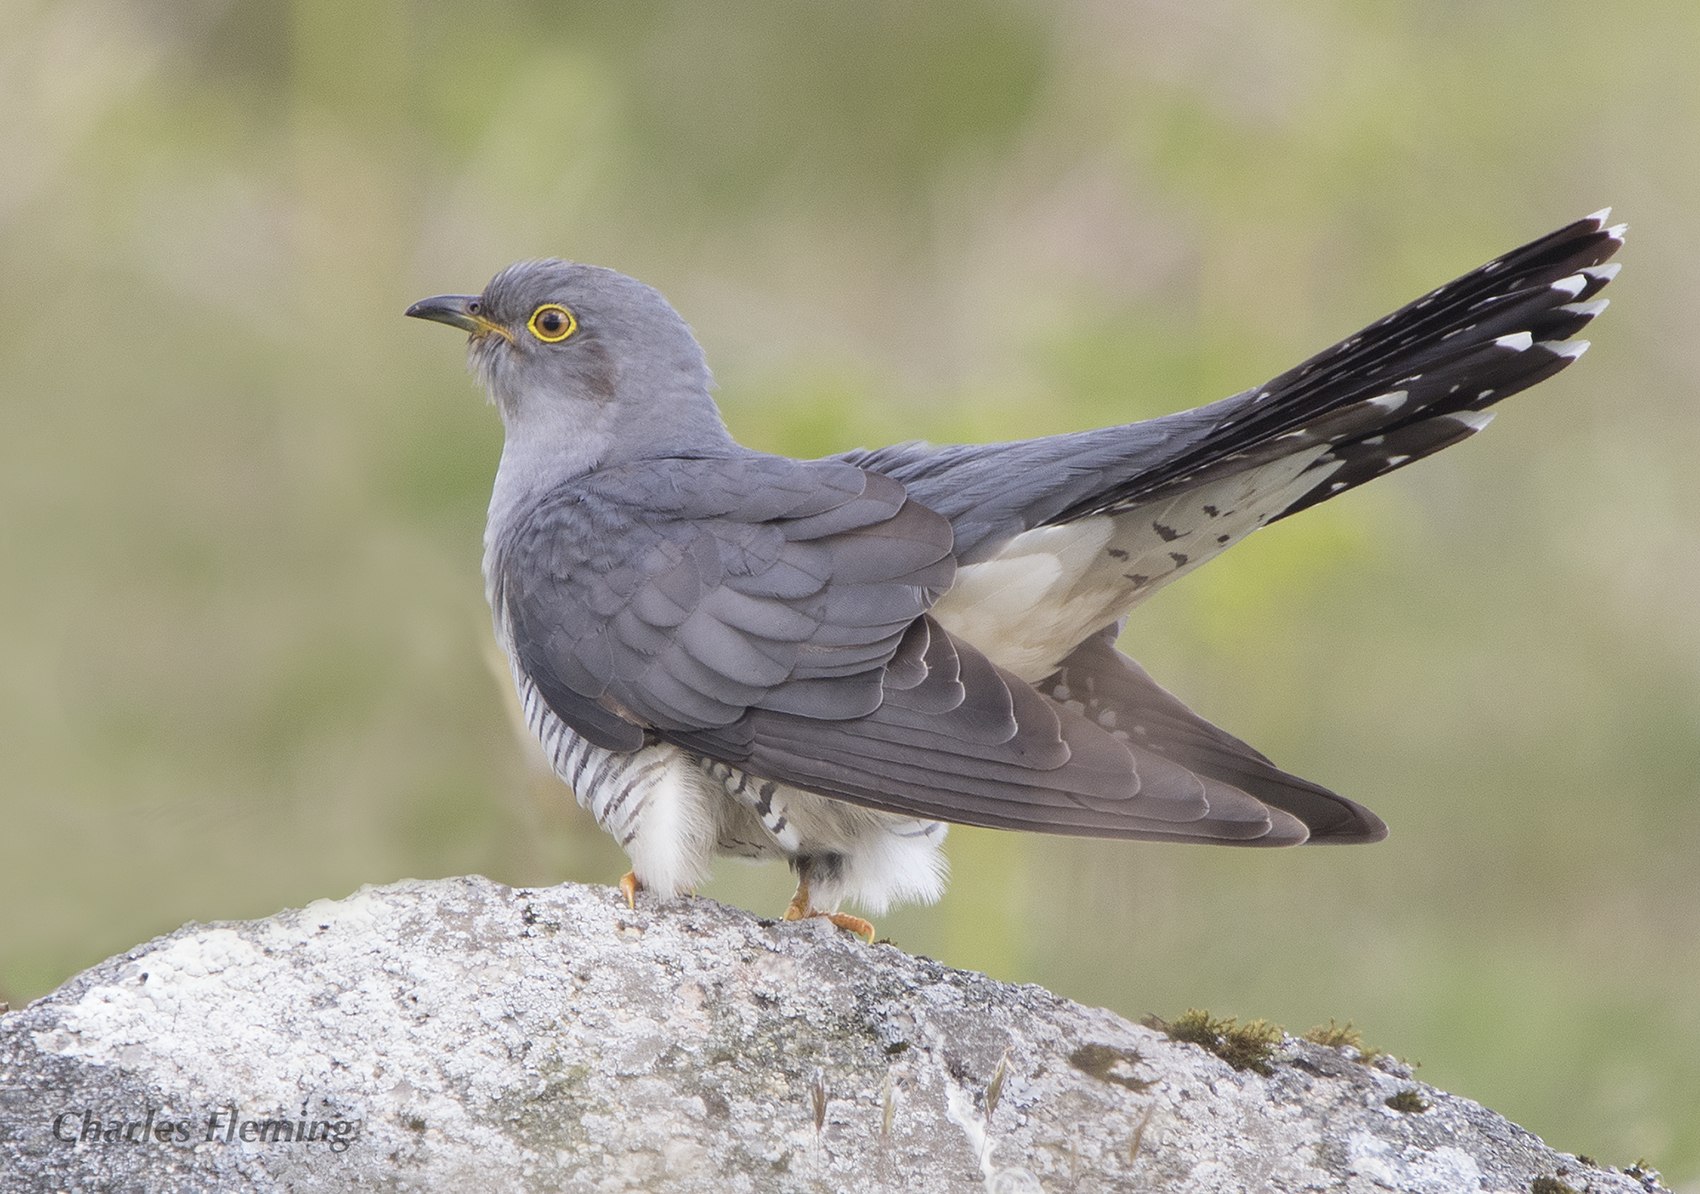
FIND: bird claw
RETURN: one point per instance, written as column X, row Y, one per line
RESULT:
column 851, row 924
column 801, row 908
column 630, row 886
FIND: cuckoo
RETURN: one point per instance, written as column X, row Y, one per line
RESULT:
column 727, row 652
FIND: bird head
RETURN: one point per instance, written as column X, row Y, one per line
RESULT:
column 584, row 354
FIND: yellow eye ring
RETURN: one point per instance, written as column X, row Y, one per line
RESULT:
column 552, row 323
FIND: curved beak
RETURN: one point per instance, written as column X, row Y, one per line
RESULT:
column 458, row 311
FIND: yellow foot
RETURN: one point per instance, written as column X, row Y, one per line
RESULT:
column 630, row 886
column 851, row 924
column 801, row 907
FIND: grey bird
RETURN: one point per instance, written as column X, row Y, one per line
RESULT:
column 729, row 652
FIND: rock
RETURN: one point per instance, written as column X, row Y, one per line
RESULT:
column 459, row 1034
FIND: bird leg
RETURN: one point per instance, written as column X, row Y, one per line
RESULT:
column 630, row 885
column 801, row 907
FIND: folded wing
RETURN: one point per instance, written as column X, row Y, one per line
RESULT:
column 772, row 614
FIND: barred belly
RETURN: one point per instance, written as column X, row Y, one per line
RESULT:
column 672, row 812
column 612, row 786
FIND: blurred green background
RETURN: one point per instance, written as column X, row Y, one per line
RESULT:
column 246, row 657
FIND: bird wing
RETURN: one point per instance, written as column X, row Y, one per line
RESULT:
column 676, row 594
column 1112, row 690
column 772, row 614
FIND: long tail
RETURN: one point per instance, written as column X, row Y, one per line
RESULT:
column 1407, row 385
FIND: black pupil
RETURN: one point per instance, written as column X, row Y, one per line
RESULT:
column 551, row 322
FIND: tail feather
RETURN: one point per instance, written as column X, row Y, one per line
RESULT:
column 1406, row 385
column 1468, row 307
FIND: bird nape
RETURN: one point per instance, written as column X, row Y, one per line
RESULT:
column 724, row 651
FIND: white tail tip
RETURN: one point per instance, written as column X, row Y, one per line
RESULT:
column 1566, row 348
column 1589, row 309
column 1475, row 420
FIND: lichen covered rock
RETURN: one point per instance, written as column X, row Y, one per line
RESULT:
column 459, row 1034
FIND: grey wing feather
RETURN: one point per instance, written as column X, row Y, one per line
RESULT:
column 798, row 648
column 677, row 594
column 1110, row 687
column 978, row 746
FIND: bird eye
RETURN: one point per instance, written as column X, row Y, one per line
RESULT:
column 552, row 323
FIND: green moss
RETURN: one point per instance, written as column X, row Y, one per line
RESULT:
column 1409, row 1101
column 1551, row 1185
column 1345, row 1036
column 1248, row 1046
column 1336, row 1036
